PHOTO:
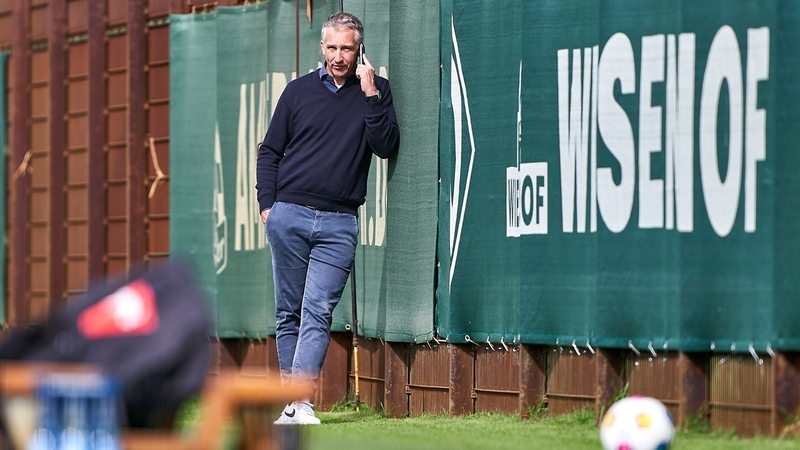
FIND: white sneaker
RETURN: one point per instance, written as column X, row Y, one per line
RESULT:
column 298, row 413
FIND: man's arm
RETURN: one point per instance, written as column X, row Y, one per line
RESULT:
column 270, row 153
column 382, row 131
column 266, row 174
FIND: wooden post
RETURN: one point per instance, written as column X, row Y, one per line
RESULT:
column 786, row 395
column 56, row 258
column 272, row 354
column 693, row 387
column 137, row 130
column 532, row 376
column 609, row 374
column 462, row 379
column 19, row 212
column 332, row 385
column 96, row 188
column 395, row 398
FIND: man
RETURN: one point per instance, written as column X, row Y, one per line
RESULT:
column 311, row 177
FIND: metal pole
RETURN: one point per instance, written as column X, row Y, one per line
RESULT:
column 355, row 333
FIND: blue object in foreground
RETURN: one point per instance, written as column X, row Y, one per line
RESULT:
column 77, row 411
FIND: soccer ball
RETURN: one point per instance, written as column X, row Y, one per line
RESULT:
column 637, row 423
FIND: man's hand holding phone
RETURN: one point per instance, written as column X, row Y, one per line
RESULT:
column 366, row 73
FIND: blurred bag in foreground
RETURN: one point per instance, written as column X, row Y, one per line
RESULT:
column 149, row 332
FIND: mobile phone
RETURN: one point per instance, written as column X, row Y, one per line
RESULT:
column 361, row 53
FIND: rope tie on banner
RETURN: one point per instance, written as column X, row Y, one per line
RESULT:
column 754, row 354
column 24, row 167
column 633, row 347
column 490, row 343
column 160, row 175
column 652, row 350
column 770, row 352
column 503, row 343
column 575, row 347
column 468, row 339
column 589, row 346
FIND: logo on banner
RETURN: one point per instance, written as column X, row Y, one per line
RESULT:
column 220, row 220
column 526, row 197
column 526, row 188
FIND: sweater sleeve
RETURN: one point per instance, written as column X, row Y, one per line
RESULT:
column 270, row 152
column 382, row 131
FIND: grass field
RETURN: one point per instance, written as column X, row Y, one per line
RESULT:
column 345, row 429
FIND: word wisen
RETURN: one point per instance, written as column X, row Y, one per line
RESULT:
column 587, row 105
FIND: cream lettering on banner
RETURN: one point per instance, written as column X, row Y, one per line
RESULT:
column 588, row 101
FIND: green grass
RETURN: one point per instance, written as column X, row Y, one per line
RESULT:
column 344, row 428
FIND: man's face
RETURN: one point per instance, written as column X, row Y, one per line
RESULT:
column 341, row 52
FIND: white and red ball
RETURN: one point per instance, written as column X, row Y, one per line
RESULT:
column 637, row 423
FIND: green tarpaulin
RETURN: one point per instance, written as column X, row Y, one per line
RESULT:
column 620, row 174
column 228, row 69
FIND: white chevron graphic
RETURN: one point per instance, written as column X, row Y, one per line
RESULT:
column 458, row 200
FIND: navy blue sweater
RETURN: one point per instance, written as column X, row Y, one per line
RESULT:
column 319, row 144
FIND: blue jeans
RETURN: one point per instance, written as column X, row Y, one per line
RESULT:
column 312, row 254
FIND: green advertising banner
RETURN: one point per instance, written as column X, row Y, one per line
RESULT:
column 227, row 70
column 3, row 151
column 620, row 174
